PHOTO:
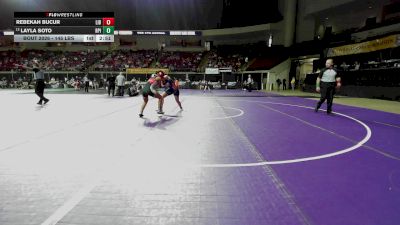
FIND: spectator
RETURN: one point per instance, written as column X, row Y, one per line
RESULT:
column 121, row 84
column 95, row 84
column 344, row 66
column 356, row 66
column 206, row 86
column 279, row 82
column 293, row 83
column 86, row 81
column 284, row 83
column 77, row 84
column 111, row 85
column 249, row 83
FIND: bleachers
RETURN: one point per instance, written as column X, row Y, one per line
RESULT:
column 180, row 61
column 219, row 59
column 51, row 60
column 121, row 59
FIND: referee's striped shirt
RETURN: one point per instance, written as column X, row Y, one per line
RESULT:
column 38, row 74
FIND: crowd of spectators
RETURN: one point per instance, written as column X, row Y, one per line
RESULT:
column 180, row 61
column 220, row 60
column 121, row 59
column 7, row 60
column 51, row 60
column 117, row 60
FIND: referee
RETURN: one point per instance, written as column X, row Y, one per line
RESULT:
column 38, row 76
column 327, row 81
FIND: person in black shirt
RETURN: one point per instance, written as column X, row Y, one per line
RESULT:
column 284, row 84
column 279, row 82
column 111, row 85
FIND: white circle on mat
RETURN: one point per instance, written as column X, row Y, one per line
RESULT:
column 240, row 113
column 298, row 160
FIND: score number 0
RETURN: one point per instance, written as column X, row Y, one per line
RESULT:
column 108, row 21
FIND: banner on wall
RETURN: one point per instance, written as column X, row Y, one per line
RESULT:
column 225, row 70
column 146, row 70
column 212, row 71
column 391, row 41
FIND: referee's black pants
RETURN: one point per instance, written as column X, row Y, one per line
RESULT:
column 39, row 90
column 327, row 93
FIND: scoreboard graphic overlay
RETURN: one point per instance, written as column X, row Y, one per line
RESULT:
column 64, row 26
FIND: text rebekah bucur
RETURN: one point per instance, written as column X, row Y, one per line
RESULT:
column 38, row 22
